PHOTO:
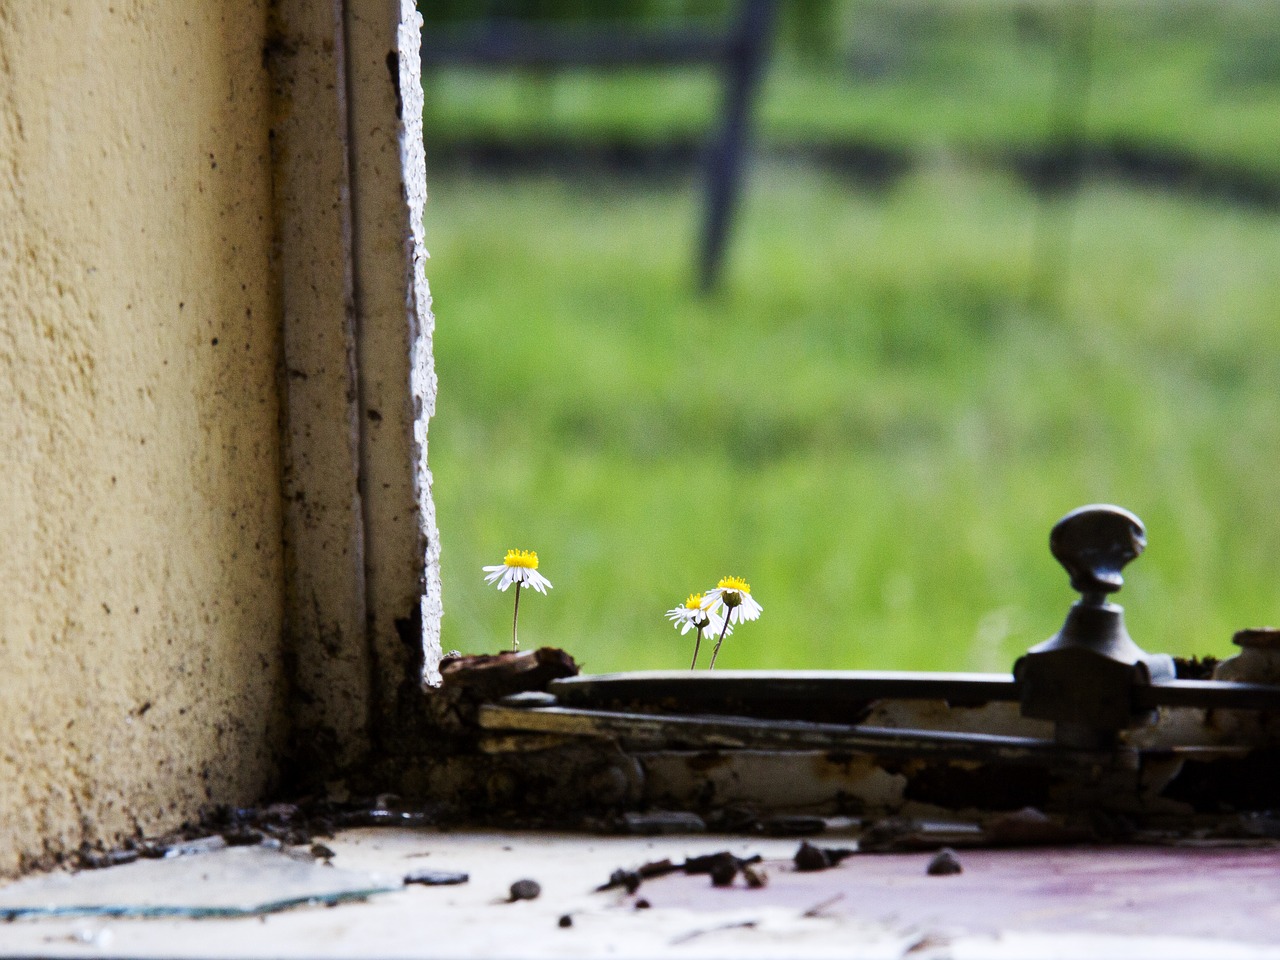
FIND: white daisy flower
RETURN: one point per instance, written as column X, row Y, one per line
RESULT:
column 732, row 599
column 729, row 603
column 692, row 615
column 518, row 567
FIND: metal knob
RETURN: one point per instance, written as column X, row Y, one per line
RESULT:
column 1094, row 544
column 1083, row 677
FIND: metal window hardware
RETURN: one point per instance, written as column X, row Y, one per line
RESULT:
column 1085, row 677
column 1086, row 701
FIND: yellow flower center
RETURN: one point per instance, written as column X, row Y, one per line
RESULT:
column 694, row 602
column 521, row 558
column 734, row 583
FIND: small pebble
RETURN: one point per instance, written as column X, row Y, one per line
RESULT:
column 723, row 873
column 643, row 904
column 525, row 890
column 708, row 863
column 566, row 921
column 755, row 878
column 810, row 858
column 321, row 852
column 944, row 863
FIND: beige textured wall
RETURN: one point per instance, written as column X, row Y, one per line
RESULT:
column 140, row 513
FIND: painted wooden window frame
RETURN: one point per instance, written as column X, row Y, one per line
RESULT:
column 363, row 584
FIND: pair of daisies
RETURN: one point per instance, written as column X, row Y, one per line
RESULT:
column 715, row 612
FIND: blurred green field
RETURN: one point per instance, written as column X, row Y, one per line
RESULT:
column 869, row 423
column 880, row 415
column 1199, row 78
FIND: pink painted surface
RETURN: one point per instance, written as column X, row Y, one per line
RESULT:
column 1171, row 891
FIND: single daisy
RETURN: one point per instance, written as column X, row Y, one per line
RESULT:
column 731, row 603
column 688, row 616
column 519, row 567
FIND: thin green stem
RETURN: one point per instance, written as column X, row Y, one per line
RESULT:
column 723, row 630
column 515, row 618
column 697, row 642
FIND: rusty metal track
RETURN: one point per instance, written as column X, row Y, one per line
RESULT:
column 690, row 690
column 1209, row 695
column 725, row 732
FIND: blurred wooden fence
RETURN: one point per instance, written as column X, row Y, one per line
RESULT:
column 739, row 49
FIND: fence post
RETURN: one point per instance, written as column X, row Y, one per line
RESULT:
column 743, row 68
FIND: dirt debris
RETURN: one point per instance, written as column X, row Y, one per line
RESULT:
column 436, row 878
column 705, row 863
column 945, row 863
column 723, row 868
column 525, row 890
column 488, row 677
column 630, row 880
column 92, row 860
column 277, row 824
column 724, row 871
column 810, row 858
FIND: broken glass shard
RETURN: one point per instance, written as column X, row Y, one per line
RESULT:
column 231, row 882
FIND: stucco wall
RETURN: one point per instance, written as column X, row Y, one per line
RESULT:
column 140, row 513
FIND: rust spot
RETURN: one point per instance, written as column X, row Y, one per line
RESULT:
column 491, row 676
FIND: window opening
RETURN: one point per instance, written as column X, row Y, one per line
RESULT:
column 877, row 442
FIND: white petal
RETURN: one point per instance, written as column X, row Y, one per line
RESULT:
column 536, row 580
column 717, row 625
column 712, row 597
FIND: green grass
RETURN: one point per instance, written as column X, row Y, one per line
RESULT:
column 872, row 422
column 1190, row 76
